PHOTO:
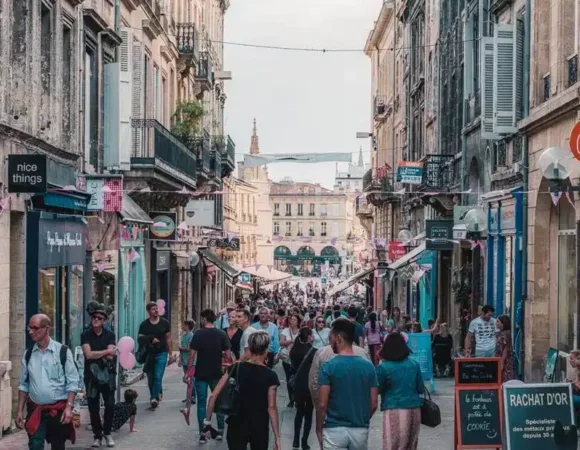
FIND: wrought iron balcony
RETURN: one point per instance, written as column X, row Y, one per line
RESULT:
column 201, row 147
column 382, row 191
column 368, row 180
column 215, row 165
column 229, row 158
column 363, row 208
column 380, row 106
column 204, row 73
column 437, row 173
column 155, row 147
column 187, row 43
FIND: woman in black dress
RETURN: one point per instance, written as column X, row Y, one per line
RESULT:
column 234, row 334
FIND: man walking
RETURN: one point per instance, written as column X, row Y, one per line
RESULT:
column 49, row 383
column 483, row 330
column 244, row 321
column 209, row 344
column 272, row 330
column 348, row 395
column 359, row 331
column 98, row 346
column 223, row 317
column 157, row 332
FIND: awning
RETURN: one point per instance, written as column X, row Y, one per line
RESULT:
column 409, row 257
column 343, row 285
column 182, row 258
column 72, row 199
column 132, row 212
column 217, row 261
column 270, row 275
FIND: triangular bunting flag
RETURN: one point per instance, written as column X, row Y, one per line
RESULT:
column 556, row 197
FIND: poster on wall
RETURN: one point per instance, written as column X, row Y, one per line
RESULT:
column 164, row 226
column 200, row 213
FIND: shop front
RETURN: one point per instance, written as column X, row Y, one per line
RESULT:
column 55, row 259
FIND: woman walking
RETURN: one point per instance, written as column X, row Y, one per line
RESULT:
column 256, row 402
column 321, row 333
column 400, row 386
column 504, row 349
column 234, row 334
column 287, row 339
column 373, row 333
column 301, row 357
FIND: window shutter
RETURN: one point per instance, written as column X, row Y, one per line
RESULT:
column 504, row 98
column 519, row 72
column 137, row 98
column 125, row 94
column 487, row 89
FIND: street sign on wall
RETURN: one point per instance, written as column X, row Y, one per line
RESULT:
column 439, row 234
column 410, row 172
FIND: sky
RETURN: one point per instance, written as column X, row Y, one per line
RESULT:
column 303, row 102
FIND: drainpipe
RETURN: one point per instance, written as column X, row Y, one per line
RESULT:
column 520, row 307
column 117, row 27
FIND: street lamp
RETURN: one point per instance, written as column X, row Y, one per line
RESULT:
column 475, row 222
column 556, row 165
column 406, row 238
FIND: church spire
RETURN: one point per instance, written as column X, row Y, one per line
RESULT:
column 360, row 158
column 255, row 144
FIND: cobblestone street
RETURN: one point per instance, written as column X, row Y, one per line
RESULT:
column 165, row 428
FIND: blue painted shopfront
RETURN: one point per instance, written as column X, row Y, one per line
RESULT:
column 421, row 296
column 504, row 255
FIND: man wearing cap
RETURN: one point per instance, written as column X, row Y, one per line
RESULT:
column 98, row 345
column 223, row 321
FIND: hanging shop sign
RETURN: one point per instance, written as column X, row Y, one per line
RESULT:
column 163, row 260
column 410, row 172
column 575, row 141
column 106, row 192
column 531, row 411
column 27, row 174
column 225, row 244
column 478, row 406
column 164, row 226
column 439, row 234
column 396, row 250
column 61, row 242
column 200, row 213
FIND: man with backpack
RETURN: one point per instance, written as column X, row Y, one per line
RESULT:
column 98, row 345
column 49, row 383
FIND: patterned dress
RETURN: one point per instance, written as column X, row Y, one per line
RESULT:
column 503, row 341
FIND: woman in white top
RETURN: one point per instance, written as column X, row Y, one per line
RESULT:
column 287, row 339
column 321, row 333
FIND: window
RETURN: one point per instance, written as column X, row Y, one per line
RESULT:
column 312, row 209
column 276, row 209
column 66, row 79
column 335, row 210
column 300, row 209
column 311, row 229
column 322, row 228
column 288, row 228
column 323, row 210
column 276, row 228
column 299, row 231
column 288, row 209
column 91, row 106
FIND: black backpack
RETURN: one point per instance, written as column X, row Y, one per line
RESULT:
column 63, row 355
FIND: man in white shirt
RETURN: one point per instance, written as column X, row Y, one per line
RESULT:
column 244, row 321
column 483, row 329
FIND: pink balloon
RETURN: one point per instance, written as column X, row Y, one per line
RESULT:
column 161, row 310
column 160, row 303
column 127, row 361
column 126, row 344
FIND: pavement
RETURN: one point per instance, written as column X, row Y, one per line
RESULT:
column 165, row 428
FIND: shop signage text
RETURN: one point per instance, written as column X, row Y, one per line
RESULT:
column 54, row 241
column 439, row 234
column 410, row 172
column 396, row 250
column 163, row 260
column 27, row 174
column 61, row 242
column 164, row 226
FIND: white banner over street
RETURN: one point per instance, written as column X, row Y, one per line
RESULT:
column 261, row 160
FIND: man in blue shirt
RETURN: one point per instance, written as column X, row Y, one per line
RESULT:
column 265, row 325
column 348, row 395
column 47, row 387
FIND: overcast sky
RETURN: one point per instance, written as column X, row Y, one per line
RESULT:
column 303, row 102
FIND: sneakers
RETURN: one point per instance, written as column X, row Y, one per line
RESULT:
column 96, row 444
column 202, row 439
column 109, row 440
column 154, row 403
column 220, row 435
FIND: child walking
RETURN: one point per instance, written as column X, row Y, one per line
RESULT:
column 187, row 333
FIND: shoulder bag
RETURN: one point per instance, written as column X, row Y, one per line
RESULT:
column 292, row 380
column 228, row 401
column 430, row 414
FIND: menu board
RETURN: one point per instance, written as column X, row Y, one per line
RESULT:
column 479, row 417
column 477, row 371
column 531, row 412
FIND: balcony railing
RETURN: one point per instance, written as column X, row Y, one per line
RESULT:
column 437, row 172
column 201, row 148
column 572, row 70
column 380, row 106
column 151, row 141
column 231, row 150
column 367, row 180
column 187, row 41
column 204, row 73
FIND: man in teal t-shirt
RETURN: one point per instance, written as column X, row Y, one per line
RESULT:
column 348, row 395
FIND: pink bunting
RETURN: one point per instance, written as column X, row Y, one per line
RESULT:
column 555, row 197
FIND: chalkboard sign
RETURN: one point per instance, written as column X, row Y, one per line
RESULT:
column 551, row 360
column 531, row 411
column 477, row 371
column 479, row 417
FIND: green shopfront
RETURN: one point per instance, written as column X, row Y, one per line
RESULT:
column 306, row 262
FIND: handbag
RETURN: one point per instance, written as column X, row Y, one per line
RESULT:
column 430, row 413
column 292, row 380
column 228, row 401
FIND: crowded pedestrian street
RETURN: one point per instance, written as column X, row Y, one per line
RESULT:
column 165, row 429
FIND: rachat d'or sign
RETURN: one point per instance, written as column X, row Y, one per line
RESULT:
column 27, row 174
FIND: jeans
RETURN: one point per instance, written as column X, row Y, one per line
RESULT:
column 344, row 438
column 36, row 441
column 94, row 405
column 201, row 388
column 289, row 372
column 156, row 383
column 303, row 412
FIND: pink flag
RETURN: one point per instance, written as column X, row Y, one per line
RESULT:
column 555, row 197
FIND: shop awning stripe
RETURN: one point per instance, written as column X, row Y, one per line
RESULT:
column 218, row 262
